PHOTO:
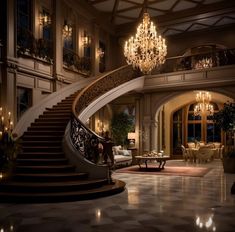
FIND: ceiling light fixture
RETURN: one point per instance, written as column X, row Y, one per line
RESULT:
column 147, row 49
column 203, row 105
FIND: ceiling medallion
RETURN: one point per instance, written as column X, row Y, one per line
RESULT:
column 147, row 49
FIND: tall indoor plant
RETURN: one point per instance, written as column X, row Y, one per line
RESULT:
column 121, row 124
column 225, row 119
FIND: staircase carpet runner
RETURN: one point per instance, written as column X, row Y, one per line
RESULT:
column 42, row 173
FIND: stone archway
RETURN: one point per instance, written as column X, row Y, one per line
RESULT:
column 161, row 126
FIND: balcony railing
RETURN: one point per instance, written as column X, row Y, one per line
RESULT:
column 84, row 140
column 199, row 61
column 27, row 45
column 72, row 61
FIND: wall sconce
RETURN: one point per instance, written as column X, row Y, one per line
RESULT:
column 131, row 138
column 86, row 40
column 67, row 30
column 100, row 52
column 44, row 19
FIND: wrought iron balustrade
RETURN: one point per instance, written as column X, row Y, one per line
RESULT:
column 199, row 61
column 85, row 140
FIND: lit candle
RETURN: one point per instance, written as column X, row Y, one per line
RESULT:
column 0, row 135
column 0, row 111
column 11, row 125
column 2, row 119
column 9, row 115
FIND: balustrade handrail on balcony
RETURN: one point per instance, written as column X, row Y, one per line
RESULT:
column 81, row 64
column 199, row 61
column 27, row 44
column 84, row 139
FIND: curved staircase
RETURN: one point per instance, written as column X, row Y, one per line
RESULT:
column 43, row 173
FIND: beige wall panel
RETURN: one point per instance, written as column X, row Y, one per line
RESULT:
column 174, row 78
column 25, row 81
column 26, row 62
column 193, row 76
column 221, row 73
column 45, row 68
column 45, row 85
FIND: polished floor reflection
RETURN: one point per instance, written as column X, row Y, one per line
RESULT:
column 149, row 203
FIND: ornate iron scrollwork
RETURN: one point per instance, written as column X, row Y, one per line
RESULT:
column 85, row 140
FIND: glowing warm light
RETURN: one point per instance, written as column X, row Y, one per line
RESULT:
column 203, row 105
column 98, row 214
column 147, row 49
column 67, row 30
column 206, row 221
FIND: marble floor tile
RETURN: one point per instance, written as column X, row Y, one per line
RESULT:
column 149, row 203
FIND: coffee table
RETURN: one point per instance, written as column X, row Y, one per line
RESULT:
column 144, row 159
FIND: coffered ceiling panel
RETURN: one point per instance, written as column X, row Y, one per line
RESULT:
column 124, row 5
column 213, row 1
column 163, row 5
column 183, row 5
column 171, row 16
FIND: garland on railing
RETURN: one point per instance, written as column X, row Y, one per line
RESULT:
column 80, row 64
column 28, row 45
column 85, row 140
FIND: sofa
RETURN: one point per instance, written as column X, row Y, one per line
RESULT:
column 122, row 157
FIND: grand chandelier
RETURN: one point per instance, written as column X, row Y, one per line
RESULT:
column 147, row 49
column 203, row 105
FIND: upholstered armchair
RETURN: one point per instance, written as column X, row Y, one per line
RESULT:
column 205, row 154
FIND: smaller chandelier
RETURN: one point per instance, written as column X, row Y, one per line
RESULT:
column 204, row 63
column 203, row 105
column 147, row 49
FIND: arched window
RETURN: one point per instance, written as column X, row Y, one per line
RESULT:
column 202, row 128
column 186, row 127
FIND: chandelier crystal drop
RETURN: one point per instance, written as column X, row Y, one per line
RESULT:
column 203, row 105
column 147, row 49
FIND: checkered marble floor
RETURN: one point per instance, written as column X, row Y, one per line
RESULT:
column 149, row 203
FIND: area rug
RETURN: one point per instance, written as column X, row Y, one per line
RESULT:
column 170, row 171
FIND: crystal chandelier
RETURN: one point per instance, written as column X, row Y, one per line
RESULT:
column 204, row 63
column 147, row 49
column 203, row 105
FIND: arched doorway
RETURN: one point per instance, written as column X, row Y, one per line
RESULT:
column 188, row 127
column 169, row 121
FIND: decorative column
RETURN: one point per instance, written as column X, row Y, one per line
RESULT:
column 57, row 42
column 146, row 133
column 9, row 71
column 154, row 135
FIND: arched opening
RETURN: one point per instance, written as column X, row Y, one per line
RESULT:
column 176, row 123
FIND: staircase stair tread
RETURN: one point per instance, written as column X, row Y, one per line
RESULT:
column 45, row 166
column 46, row 160
column 46, row 184
column 55, row 174
column 42, row 153
column 40, row 137
column 116, row 187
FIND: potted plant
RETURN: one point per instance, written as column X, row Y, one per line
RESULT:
column 121, row 124
column 225, row 119
column 9, row 149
